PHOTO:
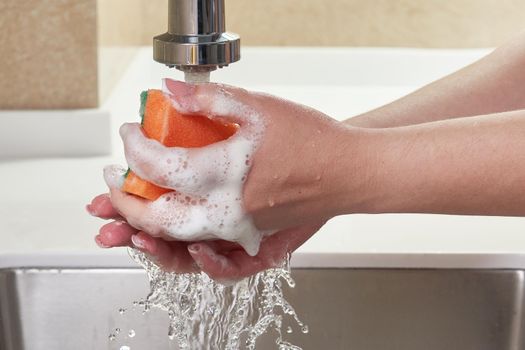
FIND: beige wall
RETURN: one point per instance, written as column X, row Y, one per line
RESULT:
column 48, row 54
column 413, row 23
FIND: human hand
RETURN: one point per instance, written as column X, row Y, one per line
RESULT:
column 294, row 173
column 222, row 260
column 293, row 178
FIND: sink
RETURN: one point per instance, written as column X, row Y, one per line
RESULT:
column 76, row 307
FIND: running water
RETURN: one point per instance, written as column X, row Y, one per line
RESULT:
column 197, row 77
column 207, row 315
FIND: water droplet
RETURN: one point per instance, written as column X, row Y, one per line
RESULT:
column 117, row 330
column 289, row 330
column 305, row 329
column 131, row 333
column 121, row 311
column 276, row 177
column 318, row 177
column 271, row 202
column 112, row 337
column 125, row 347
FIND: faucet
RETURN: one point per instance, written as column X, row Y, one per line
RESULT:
column 196, row 41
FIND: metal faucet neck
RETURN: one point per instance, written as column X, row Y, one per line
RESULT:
column 196, row 39
column 200, row 17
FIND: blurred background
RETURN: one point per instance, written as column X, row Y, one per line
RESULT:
column 71, row 72
column 55, row 33
column 399, row 23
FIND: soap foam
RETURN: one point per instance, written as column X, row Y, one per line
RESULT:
column 208, row 180
column 114, row 176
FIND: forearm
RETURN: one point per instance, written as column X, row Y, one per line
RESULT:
column 463, row 166
column 496, row 83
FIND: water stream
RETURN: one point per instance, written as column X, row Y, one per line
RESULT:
column 204, row 314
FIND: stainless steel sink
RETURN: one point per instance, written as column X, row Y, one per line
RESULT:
column 356, row 309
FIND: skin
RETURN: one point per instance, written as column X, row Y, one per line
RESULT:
column 494, row 84
column 460, row 137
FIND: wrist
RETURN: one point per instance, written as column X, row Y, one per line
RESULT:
column 361, row 171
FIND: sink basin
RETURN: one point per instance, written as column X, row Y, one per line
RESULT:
column 76, row 307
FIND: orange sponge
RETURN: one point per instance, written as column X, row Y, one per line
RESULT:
column 163, row 123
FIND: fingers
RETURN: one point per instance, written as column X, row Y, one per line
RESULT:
column 114, row 176
column 210, row 177
column 224, row 102
column 101, row 207
column 184, row 169
column 173, row 216
column 213, row 100
column 225, row 268
column 131, row 207
column 226, row 262
column 171, row 256
column 223, row 246
column 215, row 265
column 115, row 234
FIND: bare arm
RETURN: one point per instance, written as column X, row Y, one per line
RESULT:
column 470, row 165
column 494, row 84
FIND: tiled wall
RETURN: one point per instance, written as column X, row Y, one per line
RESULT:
column 48, row 54
column 412, row 23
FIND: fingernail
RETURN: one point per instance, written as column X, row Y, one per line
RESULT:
column 138, row 242
column 194, row 248
column 177, row 87
column 91, row 210
column 99, row 242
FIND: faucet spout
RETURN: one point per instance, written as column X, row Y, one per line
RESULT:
column 196, row 40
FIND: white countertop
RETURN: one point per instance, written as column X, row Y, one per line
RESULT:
column 42, row 200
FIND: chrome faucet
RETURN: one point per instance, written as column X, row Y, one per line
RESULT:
column 196, row 41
